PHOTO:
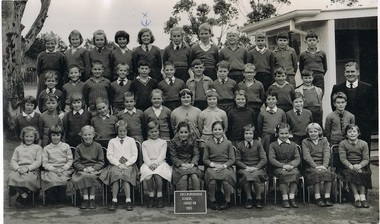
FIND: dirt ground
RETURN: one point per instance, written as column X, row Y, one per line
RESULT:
column 307, row 213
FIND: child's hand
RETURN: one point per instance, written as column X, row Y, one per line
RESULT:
column 320, row 168
column 287, row 167
column 90, row 169
column 357, row 168
column 23, row 170
column 123, row 166
column 153, row 166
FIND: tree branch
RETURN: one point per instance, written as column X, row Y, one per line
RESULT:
column 37, row 25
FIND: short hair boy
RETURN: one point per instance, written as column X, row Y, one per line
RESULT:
column 283, row 89
column 28, row 117
column 119, row 87
column 285, row 56
column 314, row 59
column 224, row 86
column 51, row 80
column 338, row 120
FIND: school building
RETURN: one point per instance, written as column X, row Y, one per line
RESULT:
column 347, row 34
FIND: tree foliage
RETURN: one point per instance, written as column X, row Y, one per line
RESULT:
column 38, row 45
column 346, row 2
column 264, row 9
column 220, row 14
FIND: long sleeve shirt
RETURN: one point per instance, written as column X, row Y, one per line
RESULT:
column 315, row 62
column 89, row 156
column 218, row 153
column 335, row 125
column 29, row 156
column 57, row 156
column 116, row 150
column 316, row 154
column 208, row 116
column 187, row 153
column 253, row 157
column 350, row 154
column 283, row 154
column 154, row 151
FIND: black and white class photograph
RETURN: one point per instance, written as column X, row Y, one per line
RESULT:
column 190, row 111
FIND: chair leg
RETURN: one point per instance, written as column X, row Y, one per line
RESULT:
column 275, row 190
column 142, row 192
column 43, row 198
column 308, row 194
column 303, row 190
column 265, row 191
column 33, row 203
column 340, row 190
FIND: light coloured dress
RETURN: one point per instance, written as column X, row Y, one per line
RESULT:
column 26, row 156
column 121, row 152
column 53, row 157
column 154, row 151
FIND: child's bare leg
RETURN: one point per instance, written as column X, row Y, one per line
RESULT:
column 328, row 185
column 292, row 190
column 212, row 190
column 127, row 191
column 92, row 192
column 182, row 183
column 284, row 191
column 354, row 190
column 115, row 190
column 247, row 189
column 150, row 186
column 158, row 180
column 85, row 193
column 317, row 191
column 195, row 181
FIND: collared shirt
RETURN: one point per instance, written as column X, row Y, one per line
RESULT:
column 167, row 80
column 278, row 49
column 221, row 80
column 78, row 111
column 308, row 50
column 31, row 115
column 124, row 81
column 49, row 52
column 247, row 144
column 274, row 109
column 130, row 111
column 175, row 46
column 354, row 84
column 308, row 87
column 280, row 86
column 105, row 117
column 354, row 143
column 295, row 111
column 100, row 49
column 143, row 46
column 204, row 47
column 157, row 111
column 280, row 141
column 52, row 90
column 261, row 51
column 123, row 50
column 220, row 140
column 73, row 50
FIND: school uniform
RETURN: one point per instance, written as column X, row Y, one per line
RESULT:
column 81, row 58
column 26, row 156
column 68, row 90
column 142, row 91
column 121, row 151
column 222, row 153
column 255, row 93
column 184, row 151
column 118, row 88
column 44, row 94
column 316, row 62
column 87, row 155
column 95, row 89
column 286, row 58
column 189, row 115
column 266, row 125
column 284, row 95
column 313, row 101
column 236, row 59
column 336, row 123
column 264, row 63
column 45, row 122
column 199, row 89
column 153, row 56
column 284, row 153
column 225, row 88
column 24, row 120
column 171, row 89
column 162, row 117
column 53, row 157
column 209, row 54
column 355, row 153
column 298, row 121
column 237, row 119
column 135, row 121
column 47, row 61
column 179, row 55
column 105, row 127
column 120, row 56
column 317, row 154
column 251, row 154
column 208, row 116
column 154, row 151
column 73, row 122
column 104, row 55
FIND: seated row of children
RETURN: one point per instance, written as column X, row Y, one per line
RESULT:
column 218, row 156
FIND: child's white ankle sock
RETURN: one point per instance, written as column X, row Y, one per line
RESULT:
column 285, row 197
column 92, row 197
column 24, row 195
column 151, row 194
column 317, row 196
column 85, row 197
column 128, row 200
column 362, row 197
column 159, row 194
column 357, row 197
column 327, row 195
column 291, row 196
column 114, row 199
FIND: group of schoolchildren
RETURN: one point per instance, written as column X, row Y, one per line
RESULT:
column 224, row 111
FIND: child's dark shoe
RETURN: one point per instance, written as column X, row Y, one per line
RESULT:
column 129, row 206
column 259, row 204
column 293, row 203
column 365, row 204
column 214, row 205
column 150, row 202
column 320, row 203
column 84, row 204
column 285, row 204
column 160, row 202
column 358, row 204
column 328, row 202
column 92, row 204
column 225, row 205
column 113, row 206
column 248, row 204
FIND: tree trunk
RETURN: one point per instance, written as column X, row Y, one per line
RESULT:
column 14, row 48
